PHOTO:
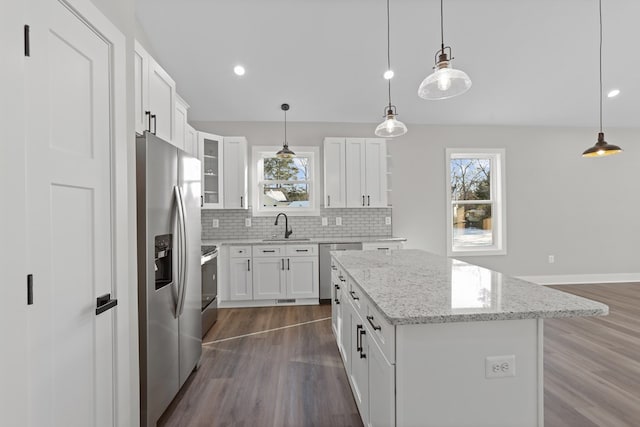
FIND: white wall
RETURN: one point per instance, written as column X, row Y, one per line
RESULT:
column 583, row 211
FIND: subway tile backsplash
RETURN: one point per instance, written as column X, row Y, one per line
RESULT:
column 355, row 222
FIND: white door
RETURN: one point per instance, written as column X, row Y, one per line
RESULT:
column 69, row 221
column 334, row 173
column 355, row 164
column 376, row 173
column 382, row 399
column 268, row 278
column 302, row 277
column 359, row 374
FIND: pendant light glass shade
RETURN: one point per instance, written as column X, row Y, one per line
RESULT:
column 445, row 82
column 391, row 126
column 285, row 153
column 601, row 148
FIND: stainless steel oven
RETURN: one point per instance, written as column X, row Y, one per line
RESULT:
column 209, row 263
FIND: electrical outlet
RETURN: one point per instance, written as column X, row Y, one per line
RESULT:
column 552, row 259
column 247, row 222
column 215, row 223
column 387, row 220
column 500, row 366
column 338, row 220
column 325, row 221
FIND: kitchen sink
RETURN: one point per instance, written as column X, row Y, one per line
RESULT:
column 282, row 239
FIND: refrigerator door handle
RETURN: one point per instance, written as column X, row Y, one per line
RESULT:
column 185, row 252
column 179, row 248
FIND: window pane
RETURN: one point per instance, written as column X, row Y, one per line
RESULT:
column 291, row 195
column 472, row 225
column 470, row 179
column 295, row 169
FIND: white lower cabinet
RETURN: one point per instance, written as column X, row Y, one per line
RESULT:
column 361, row 336
column 240, row 274
column 269, row 278
column 264, row 273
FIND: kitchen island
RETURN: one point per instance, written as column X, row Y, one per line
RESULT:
column 433, row 341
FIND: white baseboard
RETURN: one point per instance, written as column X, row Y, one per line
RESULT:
column 580, row 279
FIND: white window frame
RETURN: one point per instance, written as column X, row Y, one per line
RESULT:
column 260, row 152
column 498, row 201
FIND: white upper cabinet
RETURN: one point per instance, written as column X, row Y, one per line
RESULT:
column 334, row 173
column 210, row 148
column 180, row 128
column 235, row 172
column 155, row 96
column 191, row 141
column 355, row 172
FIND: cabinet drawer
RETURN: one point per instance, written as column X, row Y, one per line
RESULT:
column 301, row 250
column 240, row 251
column 381, row 246
column 268, row 251
column 357, row 297
column 383, row 333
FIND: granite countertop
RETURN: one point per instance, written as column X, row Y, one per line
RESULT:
column 414, row 287
column 311, row 240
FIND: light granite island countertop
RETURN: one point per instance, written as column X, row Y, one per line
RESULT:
column 431, row 341
column 413, row 286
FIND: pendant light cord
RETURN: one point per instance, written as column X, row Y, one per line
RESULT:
column 600, row 13
column 389, row 49
column 442, row 24
column 285, row 128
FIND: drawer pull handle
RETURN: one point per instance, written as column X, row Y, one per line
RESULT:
column 302, row 250
column 334, row 268
column 375, row 328
column 337, row 287
column 383, row 249
column 353, row 295
column 270, row 251
column 337, row 301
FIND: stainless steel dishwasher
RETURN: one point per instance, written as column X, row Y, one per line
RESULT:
column 325, row 265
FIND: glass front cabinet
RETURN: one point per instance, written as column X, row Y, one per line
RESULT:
column 211, row 155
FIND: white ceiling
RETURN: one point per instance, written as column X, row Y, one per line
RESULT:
column 532, row 62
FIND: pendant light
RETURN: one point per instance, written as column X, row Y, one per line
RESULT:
column 601, row 148
column 391, row 126
column 445, row 82
column 285, row 153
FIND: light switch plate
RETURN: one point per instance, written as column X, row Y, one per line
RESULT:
column 215, row 223
column 324, row 221
column 247, row 222
column 387, row 220
column 338, row 220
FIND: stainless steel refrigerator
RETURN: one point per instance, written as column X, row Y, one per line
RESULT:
column 169, row 275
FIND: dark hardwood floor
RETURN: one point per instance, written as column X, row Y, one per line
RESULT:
column 286, row 377
column 293, row 375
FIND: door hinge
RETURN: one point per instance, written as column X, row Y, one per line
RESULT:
column 29, row 289
column 27, row 44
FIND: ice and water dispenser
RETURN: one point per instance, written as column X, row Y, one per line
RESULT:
column 163, row 260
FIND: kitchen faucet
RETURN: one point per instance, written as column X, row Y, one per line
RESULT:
column 287, row 231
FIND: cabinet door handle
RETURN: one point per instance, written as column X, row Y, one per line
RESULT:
column 358, row 337
column 368, row 200
column 375, row 328
column 155, row 123
column 337, row 287
column 282, row 263
column 288, row 264
column 248, row 265
column 241, row 202
column 363, row 200
column 328, row 201
column 353, row 295
column 201, row 201
column 148, row 114
column 334, row 268
column 337, row 301
column 362, row 353
column 342, row 279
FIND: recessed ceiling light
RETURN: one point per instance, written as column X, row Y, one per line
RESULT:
column 239, row 70
column 614, row 92
column 388, row 74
